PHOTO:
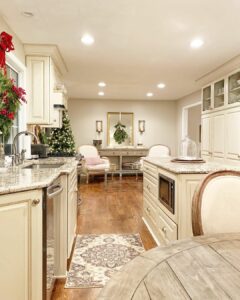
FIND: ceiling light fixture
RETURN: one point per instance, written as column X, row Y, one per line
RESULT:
column 102, row 84
column 196, row 43
column 100, row 93
column 149, row 94
column 87, row 39
column 161, row 85
column 27, row 14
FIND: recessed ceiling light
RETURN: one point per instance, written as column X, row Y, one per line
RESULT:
column 149, row 94
column 196, row 43
column 161, row 85
column 87, row 39
column 27, row 14
column 101, row 94
column 102, row 84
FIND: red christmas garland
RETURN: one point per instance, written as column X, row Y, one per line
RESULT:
column 6, row 45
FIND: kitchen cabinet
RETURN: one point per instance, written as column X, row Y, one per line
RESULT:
column 21, row 246
column 233, row 135
column 66, row 221
column 221, row 119
column 72, row 209
column 164, row 225
column 45, row 87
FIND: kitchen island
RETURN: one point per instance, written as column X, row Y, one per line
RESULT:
column 23, row 201
column 168, row 190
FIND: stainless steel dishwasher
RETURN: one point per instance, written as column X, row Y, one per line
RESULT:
column 51, row 195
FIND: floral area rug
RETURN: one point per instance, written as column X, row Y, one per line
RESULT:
column 97, row 257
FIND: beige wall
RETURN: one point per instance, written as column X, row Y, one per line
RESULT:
column 160, row 117
column 18, row 45
column 181, row 103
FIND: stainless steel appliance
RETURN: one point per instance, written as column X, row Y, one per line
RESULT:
column 51, row 195
column 166, row 193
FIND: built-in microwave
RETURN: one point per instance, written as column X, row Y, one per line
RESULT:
column 166, row 193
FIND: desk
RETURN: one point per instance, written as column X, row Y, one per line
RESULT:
column 118, row 156
column 206, row 267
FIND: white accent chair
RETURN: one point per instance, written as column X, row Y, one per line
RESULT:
column 97, row 166
column 157, row 151
column 216, row 204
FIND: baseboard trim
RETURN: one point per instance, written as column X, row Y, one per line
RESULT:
column 151, row 232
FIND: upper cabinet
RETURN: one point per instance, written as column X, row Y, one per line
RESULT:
column 234, row 88
column 223, row 93
column 46, row 95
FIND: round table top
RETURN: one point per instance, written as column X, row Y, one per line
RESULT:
column 204, row 267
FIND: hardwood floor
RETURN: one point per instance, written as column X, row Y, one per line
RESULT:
column 116, row 208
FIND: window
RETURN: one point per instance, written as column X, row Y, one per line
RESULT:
column 11, row 73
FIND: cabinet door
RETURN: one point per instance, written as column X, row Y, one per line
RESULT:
column 233, row 135
column 38, row 89
column 217, row 135
column 206, row 137
column 21, row 247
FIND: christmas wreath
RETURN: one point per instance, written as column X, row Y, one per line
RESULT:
column 120, row 135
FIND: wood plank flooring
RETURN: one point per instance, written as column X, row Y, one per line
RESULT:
column 116, row 208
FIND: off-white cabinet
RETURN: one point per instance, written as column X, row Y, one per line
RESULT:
column 164, row 225
column 21, row 246
column 43, row 78
column 72, row 209
column 233, row 135
column 38, row 89
column 213, row 134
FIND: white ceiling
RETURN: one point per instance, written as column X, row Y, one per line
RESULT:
column 138, row 43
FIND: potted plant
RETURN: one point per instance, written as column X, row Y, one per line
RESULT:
column 120, row 134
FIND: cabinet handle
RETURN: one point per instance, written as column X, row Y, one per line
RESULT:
column 148, row 209
column 210, row 152
column 164, row 230
column 148, row 187
column 35, row 202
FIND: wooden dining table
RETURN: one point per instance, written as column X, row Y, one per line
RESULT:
column 204, row 267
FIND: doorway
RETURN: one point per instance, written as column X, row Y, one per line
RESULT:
column 191, row 118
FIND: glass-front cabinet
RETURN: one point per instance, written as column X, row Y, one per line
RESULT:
column 234, row 88
column 206, row 98
column 219, row 93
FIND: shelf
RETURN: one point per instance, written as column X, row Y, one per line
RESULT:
column 235, row 90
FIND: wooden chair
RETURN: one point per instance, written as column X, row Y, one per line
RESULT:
column 216, row 204
column 97, row 166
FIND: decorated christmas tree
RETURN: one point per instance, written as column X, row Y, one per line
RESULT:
column 61, row 140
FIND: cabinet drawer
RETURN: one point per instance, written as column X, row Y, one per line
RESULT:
column 150, row 170
column 150, row 187
column 166, row 227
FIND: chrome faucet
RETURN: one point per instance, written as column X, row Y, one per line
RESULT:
column 16, row 159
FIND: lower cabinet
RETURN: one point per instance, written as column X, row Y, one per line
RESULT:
column 164, row 225
column 66, row 221
column 21, row 246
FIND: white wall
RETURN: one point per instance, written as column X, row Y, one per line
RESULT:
column 160, row 117
column 194, row 121
column 181, row 103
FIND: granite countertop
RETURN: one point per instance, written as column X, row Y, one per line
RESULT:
column 189, row 168
column 16, row 179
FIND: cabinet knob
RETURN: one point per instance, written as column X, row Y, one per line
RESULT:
column 164, row 230
column 35, row 202
column 148, row 209
column 238, row 155
column 148, row 187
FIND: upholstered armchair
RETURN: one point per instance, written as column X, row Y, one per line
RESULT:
column 157, row 151
column 92, row 163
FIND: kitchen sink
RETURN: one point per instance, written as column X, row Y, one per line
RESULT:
column 44, row 166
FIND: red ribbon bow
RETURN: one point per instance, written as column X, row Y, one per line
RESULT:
column 6, row 45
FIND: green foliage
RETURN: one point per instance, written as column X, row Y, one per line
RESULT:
column 120, row 135
column 11, row 97
column 61, row 140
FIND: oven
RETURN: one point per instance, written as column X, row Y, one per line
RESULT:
column 51, row 195
column 166, row 193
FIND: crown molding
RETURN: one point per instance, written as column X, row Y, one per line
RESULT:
column 220, row 71
column 47, row 50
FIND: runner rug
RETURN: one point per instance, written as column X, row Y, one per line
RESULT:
column 97, row 257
